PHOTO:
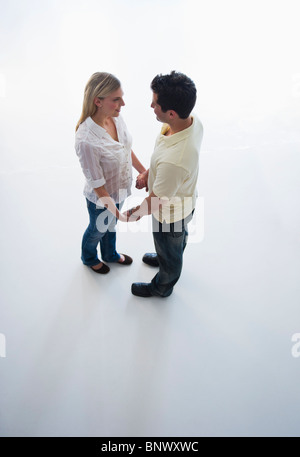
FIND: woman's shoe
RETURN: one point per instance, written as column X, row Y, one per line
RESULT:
column 128, row 260
column 103, row 270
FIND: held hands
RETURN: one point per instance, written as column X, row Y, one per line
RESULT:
column 142, row 180
column 128, row 216
column 131, row 216
column 122, row 217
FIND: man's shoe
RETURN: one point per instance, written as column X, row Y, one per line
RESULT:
column 141, row 289
column 151, row 259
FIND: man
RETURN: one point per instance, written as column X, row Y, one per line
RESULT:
column 171, row 180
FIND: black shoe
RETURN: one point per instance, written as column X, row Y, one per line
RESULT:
column 103, row 270
column 141, row 289
column 127, row 261
column 151, row 259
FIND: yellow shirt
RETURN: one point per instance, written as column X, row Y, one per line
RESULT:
column 173, row 171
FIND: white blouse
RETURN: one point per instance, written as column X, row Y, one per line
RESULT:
column 104, row 161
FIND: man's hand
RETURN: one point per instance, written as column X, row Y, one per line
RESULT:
column 142, row 180
column 148, row 206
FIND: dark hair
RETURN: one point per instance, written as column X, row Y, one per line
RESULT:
column 175, row 92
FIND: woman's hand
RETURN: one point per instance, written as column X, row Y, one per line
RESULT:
column 130, row 214
column 122, row 217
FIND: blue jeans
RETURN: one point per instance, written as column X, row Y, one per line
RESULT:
column 170, row 241
column 101, row 229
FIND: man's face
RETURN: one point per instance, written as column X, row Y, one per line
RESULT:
column 160, row 115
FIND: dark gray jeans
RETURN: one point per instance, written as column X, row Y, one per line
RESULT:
column 170, row 242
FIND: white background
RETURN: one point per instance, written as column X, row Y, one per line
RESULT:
column 84, row 357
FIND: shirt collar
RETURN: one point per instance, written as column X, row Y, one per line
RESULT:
column 95, row 128
column 170, row 140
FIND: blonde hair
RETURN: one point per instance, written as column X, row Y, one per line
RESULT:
column 99, row 85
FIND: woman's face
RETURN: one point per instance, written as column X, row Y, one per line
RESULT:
column 111, row 105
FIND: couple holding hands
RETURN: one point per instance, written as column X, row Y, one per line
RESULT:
column 103, row 145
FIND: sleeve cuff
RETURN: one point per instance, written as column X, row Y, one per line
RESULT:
column 97, row 183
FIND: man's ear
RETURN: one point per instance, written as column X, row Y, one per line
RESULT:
column 173, row 114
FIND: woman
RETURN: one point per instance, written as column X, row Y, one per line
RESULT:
column 103, row 145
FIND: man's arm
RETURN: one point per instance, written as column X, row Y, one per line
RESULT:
column 168, row 179
column 148, row 206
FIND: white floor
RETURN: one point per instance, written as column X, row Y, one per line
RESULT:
column 80, row 355
column 86, row 358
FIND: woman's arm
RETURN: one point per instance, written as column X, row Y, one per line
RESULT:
column 109, row 203
column 142, row 179
column 106, row 199
column 137, row 164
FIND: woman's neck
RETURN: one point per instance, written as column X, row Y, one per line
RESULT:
column 101, row 119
